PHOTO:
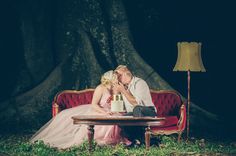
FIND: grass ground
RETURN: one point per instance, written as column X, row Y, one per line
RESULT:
column 19, row 145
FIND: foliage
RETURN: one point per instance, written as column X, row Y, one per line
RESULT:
column 20, row 145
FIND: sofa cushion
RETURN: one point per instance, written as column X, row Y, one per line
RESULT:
column 174, row 129
column 169, row 121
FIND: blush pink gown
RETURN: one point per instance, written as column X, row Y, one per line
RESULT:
column 60, row 131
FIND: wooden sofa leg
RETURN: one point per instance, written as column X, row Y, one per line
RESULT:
column 147, row 137
column 179, row 136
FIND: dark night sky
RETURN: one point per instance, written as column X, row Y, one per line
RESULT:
column 156, row 27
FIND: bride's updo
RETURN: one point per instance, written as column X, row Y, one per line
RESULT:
column 108, row 77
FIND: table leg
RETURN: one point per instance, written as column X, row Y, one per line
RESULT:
column 147, row 137
column 90, row 136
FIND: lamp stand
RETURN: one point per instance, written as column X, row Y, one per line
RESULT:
column 188, row 115
column 189, row 59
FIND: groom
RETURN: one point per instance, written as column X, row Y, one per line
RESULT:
column 137, row 100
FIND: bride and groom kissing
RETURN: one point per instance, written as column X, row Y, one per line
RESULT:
column 60, row 132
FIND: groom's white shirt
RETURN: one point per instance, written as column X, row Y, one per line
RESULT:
column 140, row 90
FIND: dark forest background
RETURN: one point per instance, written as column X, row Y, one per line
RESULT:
column 156, row 26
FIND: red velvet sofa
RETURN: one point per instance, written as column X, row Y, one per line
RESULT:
column 168, row 103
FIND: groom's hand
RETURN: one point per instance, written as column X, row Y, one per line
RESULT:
column 124, row 90
column 119, row 87
column 109, row 113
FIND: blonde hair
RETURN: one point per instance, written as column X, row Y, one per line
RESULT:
column 108, row 77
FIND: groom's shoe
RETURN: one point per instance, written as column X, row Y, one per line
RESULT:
column 136, row 143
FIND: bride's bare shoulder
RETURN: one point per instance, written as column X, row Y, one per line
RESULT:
column 100, row 87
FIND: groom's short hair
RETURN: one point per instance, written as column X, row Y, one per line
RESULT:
column 121, row 67
column 125, row 69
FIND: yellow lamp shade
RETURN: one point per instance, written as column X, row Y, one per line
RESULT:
column 189, row 57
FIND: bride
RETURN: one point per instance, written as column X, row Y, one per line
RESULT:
column 60, row 132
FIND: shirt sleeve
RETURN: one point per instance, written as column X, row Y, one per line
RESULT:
column 142, row 93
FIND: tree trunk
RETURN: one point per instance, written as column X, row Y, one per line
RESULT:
column 68, row 45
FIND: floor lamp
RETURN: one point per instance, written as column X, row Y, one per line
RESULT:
column 189, row 59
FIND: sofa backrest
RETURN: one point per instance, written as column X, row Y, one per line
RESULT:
column 167, row 102
column 72, row 98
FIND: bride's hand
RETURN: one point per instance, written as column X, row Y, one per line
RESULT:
column 114, row 92
column 109, row 113
column 115, row 88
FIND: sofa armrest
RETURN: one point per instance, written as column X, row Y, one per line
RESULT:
column 55, row 109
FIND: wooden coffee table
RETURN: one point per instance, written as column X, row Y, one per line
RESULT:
column 118, row 120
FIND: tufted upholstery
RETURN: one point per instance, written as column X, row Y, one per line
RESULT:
column 168, row 103
column 71, row 98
